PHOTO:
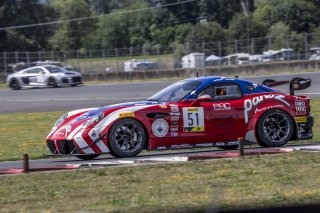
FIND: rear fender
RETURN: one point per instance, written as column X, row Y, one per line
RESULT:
column 259, row 110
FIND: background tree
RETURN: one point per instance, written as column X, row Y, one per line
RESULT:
column 72, row 35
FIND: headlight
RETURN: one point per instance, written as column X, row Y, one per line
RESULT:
column 94, row 119
column 60, row 120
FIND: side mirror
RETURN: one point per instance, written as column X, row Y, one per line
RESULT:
column 202, row 98
column 42, row 72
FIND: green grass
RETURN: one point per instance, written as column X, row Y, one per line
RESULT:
column 283, row 179
column 26, row 132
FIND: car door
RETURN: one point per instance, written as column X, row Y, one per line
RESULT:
column 35, row 76
column 223, row 115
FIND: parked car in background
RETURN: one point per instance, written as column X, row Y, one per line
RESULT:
column 43, row 76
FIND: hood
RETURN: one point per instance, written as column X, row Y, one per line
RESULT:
column 72, row 73
column 113, row 107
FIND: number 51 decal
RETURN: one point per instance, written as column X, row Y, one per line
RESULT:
column 193, row 119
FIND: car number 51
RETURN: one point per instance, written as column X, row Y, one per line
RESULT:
column 193, row 119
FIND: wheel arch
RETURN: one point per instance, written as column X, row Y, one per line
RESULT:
column 133, row 118
column 285, row 110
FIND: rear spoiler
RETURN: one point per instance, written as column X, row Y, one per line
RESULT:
column 295, row 84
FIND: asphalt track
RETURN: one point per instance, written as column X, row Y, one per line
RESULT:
column 142, row 158
column 70, row 98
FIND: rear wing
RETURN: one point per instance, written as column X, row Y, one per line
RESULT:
column 295, row 84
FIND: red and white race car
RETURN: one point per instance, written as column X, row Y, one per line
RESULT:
column 196, row 112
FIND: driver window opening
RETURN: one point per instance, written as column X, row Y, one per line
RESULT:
column 220, row 92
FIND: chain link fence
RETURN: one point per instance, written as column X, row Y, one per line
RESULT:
column 236, row 52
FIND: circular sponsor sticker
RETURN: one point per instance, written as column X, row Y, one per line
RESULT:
column 160, row 127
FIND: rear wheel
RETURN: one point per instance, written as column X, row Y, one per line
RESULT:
column 275, row 128
column 127, row 138
column 88, row 157
column 14, row 84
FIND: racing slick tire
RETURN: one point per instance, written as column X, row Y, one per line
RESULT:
column 14, row 84
column 52, row 82
column 127, row 138
column 233, row 147
column 275, row 128
column 88, row 157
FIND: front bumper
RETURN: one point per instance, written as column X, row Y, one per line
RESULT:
column 69, row 147
column 304, row 129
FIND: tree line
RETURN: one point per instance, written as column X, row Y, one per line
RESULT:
column 189, row 22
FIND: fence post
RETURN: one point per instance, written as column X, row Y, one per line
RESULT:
column 117, row 54
column 203, row 46
column 52, row 55
column 306, row 52
column 16, row 57
column 5, row 63
column 219, row 52
column 269, row 42
column 130, row 52
column 252, row 46
column 235, row 46
column 26, row 168
column 188, row 48
column 288, row 46
column 39, row 55
column 28, row 59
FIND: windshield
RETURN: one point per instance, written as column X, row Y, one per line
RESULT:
column 55, row 69
column 175, row 92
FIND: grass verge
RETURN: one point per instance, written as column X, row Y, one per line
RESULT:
column 25, row 132
column 283, row 179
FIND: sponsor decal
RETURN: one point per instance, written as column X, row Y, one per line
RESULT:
column 174, row 123
column 229, row 143
column 204, row 145
column 300, row 106
column 161, row 148
column 163, row 106
column 181, row 146
column 301, row 119
column 68, row 129
column 126, row 115
column 160, row 127
column 175, row 118
column 222, row 79
column 174, row 134
column 174, row 128
column 175, row 113
column 223, row 123
column 93, row 134
column 250, row 103
column 174, row 108
column 222, row 106
column 193, row 119
column 267, row 108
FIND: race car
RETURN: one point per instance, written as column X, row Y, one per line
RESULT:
column 43, row 76
column 196, row 112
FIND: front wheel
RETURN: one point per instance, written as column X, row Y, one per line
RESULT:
column 14, row 84
column 52, row 82
column 275, row 128
column 127, row 138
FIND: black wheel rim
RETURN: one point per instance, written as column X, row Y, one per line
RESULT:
column 52, row 83
column 128, row 137
column 14, row 84
column 276, row 127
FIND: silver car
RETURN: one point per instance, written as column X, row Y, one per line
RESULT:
column 43, row 76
